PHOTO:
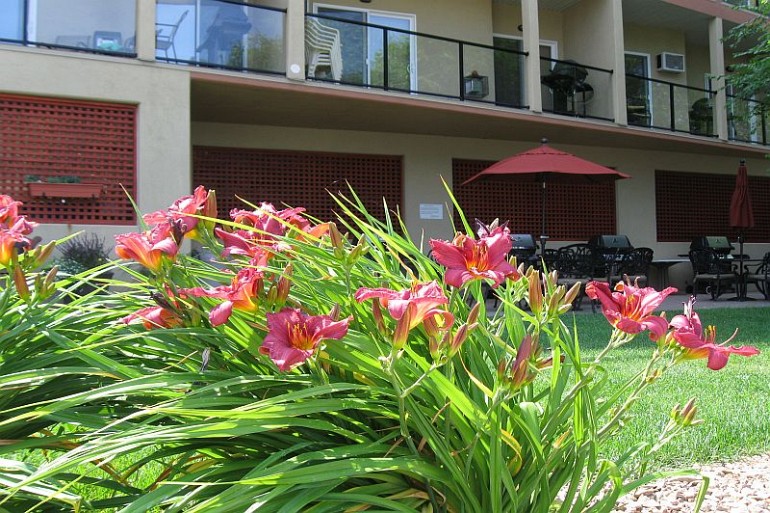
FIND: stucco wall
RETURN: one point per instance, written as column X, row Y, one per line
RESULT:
column 163, row 131
column 428, row 158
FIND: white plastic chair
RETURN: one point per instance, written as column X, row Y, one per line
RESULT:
column 322, row 49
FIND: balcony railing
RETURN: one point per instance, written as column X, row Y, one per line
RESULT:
column 573, row 89
column 666, row 105
column 748, row 121
column 221, row 34
column 376, row 56
column 82, row 25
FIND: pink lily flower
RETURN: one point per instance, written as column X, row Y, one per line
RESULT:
column 13, row 238
column 9, row 210
column 242, row 294
column 293, row 336
column 180, row 210
column 467, row 259
column 411, row 307
column 250, row 244
column 150, row 248
column 630, row 308
column 689, row 333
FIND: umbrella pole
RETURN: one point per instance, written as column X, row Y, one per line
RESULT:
column 741, row 284
column 543, row 236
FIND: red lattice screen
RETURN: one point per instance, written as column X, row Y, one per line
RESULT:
column 297, row 179
column 573, row 211
column 690, row 205
column 51, row 138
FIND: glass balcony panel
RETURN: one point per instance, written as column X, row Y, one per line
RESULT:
column 660, row 116
column 220, row 34
column 90, row 25
column 509, row 72
column 438, row 67
column 701, row 112
column 746, row 121
column 479, row 67
column 12, row 20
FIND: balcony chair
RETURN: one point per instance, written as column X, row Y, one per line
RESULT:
column 702, row 117
column 571, row 93
column 323, row 50
column 165, row 34
column 717, row 273
column 636, row 265
column 760, row 277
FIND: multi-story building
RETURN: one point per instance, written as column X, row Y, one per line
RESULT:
column 282, row 100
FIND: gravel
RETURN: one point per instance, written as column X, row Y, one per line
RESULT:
column 741, row 486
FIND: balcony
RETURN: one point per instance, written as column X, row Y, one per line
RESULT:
column 375, row 51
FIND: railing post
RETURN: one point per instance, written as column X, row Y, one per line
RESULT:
column 145, row 29
column 672, row 106
column 294, row 37
column 461, row 66
column 25, row 22
column 385, row 58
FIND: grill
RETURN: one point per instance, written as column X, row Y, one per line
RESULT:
column 611, row 243
column 719, row 244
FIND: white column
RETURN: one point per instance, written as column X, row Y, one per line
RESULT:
column 531, row 35
column 717, row 63
column 145, row 30
column 619, row 66
column 295, row 40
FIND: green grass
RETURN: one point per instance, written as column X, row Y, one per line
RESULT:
column 732, row 402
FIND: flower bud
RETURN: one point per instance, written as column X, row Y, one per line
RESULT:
column 334, row 313
column 572, row 293
column 210, row 206
column 459, row 338
column 401, row 333
column 41, row 253
column 20, row 281
column 535, row 292
column 474, row 313
column 378, row 319
column 358, row 251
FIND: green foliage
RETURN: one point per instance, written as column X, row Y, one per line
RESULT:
column 82, row 253
column 749, row 76
column 99, row 415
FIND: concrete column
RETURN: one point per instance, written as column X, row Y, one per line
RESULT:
column 145, row 30
column 717, row 63
column 295, row 40
column 619, row 65
column 531, row 34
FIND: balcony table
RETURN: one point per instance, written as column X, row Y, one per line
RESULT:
column 662, row 265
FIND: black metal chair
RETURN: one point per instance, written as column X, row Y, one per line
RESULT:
column 760, row 277
column 636, row 265
column 579, row 263
column 717, row 273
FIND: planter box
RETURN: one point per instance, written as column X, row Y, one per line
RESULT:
column 65, row 190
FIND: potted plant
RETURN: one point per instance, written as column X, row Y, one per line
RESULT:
column 66, row 186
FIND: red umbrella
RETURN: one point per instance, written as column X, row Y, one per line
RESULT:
column 545, row 164
column 741, row 212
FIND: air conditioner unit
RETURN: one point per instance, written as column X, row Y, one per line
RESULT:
column 671, row 62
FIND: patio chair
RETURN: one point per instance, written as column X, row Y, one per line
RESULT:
column 323, row 49
column 760, row 277
column 717, row 273
column 636, row 265
column 165, row 34
column 579, row 263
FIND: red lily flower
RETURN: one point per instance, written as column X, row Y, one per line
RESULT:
column 150, row 248
column 14, row 238
column 689, row 333
column 154, row 317
column 467, row 259
column 411, row 306
column 630, row 308
column 9, row 210
column 293, row 336
column 250, row 244
column 180, row 210
column 242, row 294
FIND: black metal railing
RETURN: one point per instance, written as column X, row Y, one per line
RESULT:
column 363, row 54
column 747, row 120
column 81, row 25
column 572, row 88
column 670, row 106
column 221, row 34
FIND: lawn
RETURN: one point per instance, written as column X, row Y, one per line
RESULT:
column 732, row 402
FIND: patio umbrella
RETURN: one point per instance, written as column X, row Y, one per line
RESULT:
column 546, row 164
column 741, row 212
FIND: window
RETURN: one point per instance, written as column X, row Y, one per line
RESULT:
column 638, row 91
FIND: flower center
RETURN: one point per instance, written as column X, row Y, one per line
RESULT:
column 300, row 338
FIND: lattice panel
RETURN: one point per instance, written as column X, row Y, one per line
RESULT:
column 574, row 212
column 689, row 205
column 297, row 179
column 95, row 142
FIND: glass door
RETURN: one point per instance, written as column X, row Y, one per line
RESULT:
column 12, row 22
column 509, row 72
column 363, row 45
column 638, row 91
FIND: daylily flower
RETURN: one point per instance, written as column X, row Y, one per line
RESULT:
column 689, row 333
column 467, row 259
column 411, row 306
column 13, row 239
column 154, row 317
column 294, row 336
column 180, row 210
column 630, row 308
column 242, row 294
column 9, row 210
column 251, row 244
column 150, row 248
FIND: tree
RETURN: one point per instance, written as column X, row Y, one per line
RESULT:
column 749, row 78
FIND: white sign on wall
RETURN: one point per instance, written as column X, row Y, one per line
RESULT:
column 431, row 211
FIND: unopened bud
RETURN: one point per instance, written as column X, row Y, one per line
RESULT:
column 20, row 281
column 334, row 313
column 535, row 293
column 378, row 319
column 473, row 315
column 210, row 206
column 358, row 251
column 434, row 347
column 401, row 333
column 41, row 253
column 572, row 293
column 460, row 337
